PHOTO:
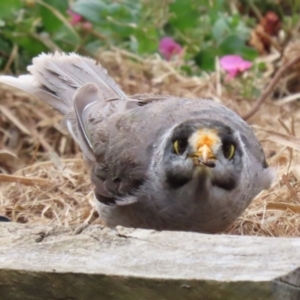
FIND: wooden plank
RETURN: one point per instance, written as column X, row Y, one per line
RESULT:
column 39, row 262
column 288, row 287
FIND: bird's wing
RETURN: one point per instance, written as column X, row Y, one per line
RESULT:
column 120, row 145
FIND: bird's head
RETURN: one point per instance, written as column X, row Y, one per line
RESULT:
column 203, row 150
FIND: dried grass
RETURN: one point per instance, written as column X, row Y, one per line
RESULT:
column 39, row 186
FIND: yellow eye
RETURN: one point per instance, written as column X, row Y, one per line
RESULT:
column 179, row 146
column 175, row 145
column 228, row 150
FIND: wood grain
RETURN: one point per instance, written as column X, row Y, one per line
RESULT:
column 39, row 262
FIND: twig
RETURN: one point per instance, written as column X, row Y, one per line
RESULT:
column 24, row 180
column 270, row 87
column 14, row 119
column 11, row 59
column 290, row 34
column 256, row 11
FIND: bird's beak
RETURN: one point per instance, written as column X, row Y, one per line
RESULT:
column 204, row 156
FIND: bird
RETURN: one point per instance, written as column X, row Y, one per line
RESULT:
column 156, row 161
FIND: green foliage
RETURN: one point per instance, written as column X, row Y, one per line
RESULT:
column 206, row 28
column 33, row 28
column 9, row 8
column 227, row 35
column 123, row 23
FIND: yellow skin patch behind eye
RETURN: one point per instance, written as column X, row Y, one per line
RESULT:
column 205, row 143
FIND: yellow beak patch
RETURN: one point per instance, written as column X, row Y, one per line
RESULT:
column 205, row 143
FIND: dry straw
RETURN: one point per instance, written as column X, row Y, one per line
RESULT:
column 44, row 180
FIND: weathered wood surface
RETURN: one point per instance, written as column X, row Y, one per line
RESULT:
column 56, row 263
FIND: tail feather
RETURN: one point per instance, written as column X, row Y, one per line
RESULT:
column 27, row 84
column 55, row 78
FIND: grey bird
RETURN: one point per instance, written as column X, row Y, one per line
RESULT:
column 158, row 162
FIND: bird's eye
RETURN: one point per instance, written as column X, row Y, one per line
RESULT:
column 228, row 150
column 179, row 146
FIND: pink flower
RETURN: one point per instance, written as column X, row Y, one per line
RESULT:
column 168, row 48
column 234, row 64
column 76, row 18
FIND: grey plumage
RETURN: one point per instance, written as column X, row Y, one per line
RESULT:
column 129, row 143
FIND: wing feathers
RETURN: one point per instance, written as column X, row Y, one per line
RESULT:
column 87, row 95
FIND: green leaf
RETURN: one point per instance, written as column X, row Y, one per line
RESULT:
column 147, row 40
column 50, row 21
column 65, row 39
column 235, row 45
column 93, row 46
column 187, row 70
column 26, row 42
column 59, row 16
column 7, row 8
column 205, row 59
column 261, row 66
column 185, row 14
column 220, row 29
column 235, row 21
column 90, row 10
